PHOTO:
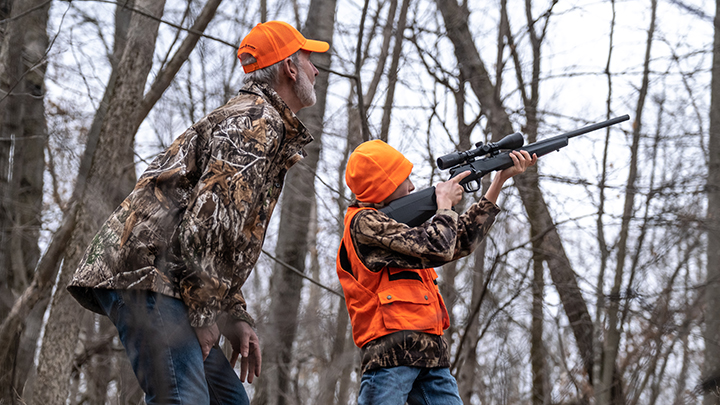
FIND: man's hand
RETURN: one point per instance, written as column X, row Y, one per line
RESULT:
column 207, row 337
column 245, row 343
column 449, row 193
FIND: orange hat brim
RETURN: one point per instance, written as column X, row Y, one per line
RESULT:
column 315, row 46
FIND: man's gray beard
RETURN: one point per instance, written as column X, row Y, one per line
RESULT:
column 304, row 90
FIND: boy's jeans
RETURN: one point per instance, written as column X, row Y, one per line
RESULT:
column 164, row 351
column 416, row 385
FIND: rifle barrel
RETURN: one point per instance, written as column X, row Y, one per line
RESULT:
column 594, row 127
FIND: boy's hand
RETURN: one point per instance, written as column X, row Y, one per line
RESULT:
column 449, row 193
column 521, row 161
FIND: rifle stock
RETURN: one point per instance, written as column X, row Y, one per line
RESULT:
column 418, row 207
column 414, row 208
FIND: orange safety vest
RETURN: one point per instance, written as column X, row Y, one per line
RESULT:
column 390, row 300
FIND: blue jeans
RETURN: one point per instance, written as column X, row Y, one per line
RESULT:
column 414, row 385
column 164, row 351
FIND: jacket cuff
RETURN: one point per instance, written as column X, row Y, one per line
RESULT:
column 201, row 317
column 489, row 206
column 239, row 313
column 452, row 214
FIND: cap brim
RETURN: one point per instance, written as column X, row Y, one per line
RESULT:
column 315, row 46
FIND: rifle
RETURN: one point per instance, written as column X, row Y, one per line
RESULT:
column 416, row 208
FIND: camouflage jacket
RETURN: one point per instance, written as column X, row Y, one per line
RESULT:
column 381, row 242
column 194, row 225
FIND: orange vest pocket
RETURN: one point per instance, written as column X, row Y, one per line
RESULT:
column 409, row 307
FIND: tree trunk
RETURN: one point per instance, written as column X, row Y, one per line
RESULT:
column 711, row 367
column 603, row 247
column 97, row 358
column 28, row 174
column 340, row 359
column 610, row 390
column 468, row 364
column 113, row 159
column 11, row 70
column 26, row 312
column 393, row 73
column 22, row 186
column 292, row 244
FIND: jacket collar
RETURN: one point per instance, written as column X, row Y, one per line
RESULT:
column 295, row 130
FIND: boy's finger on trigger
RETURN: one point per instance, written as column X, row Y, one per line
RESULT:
column 461, row 176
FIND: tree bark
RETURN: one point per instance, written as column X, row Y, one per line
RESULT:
column 29, row 168
column 26, row 308
column 384, row 52
column 113, row 159
column 11, row 70
column 340, row 358
column 21, row 189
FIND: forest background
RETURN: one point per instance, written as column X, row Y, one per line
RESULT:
column 598, row 283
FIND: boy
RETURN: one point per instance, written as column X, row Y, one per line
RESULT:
column 386, row 271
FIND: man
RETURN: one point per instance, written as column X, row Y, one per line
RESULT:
column 386, row 272
column 168, row 266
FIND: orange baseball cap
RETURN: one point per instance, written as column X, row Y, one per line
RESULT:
column 273, row 41
column 376, row 169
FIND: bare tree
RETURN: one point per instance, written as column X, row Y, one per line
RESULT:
column 23, row 134
column 711, row 368
column 393, row 72
column 292, row 245
column 113, row 159
column 542, row 225
column 25, row 310
column 607, row 387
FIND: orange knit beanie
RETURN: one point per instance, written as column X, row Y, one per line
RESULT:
column 374, row 170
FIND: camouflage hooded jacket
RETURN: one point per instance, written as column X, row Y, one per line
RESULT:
column 381, row 242
column 194, row 225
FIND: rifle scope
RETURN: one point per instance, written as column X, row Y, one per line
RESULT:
column 512, row 141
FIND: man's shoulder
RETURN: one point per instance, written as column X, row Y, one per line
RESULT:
column 244, row 111
column 249, row 104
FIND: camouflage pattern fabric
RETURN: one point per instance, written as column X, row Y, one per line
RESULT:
column 406, row 348
column 195, row 222
column 381, row 242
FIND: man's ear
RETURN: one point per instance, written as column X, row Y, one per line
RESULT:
column 290, row 69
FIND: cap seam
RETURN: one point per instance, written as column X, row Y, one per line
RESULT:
column 271, row 38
